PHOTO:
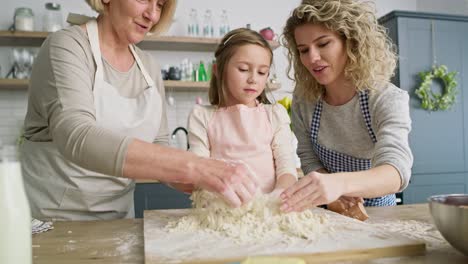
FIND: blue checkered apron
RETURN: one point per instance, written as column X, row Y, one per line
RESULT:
column 338, row 162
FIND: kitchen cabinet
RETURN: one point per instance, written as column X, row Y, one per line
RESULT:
column 153, row 195
column 439, row 140
column 424, row 185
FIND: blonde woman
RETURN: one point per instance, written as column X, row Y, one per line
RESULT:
column 352, row 124
column 96, row 108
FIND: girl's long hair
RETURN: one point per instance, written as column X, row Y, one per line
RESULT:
column 226, row 49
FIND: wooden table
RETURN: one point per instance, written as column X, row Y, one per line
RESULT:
column 121, row 241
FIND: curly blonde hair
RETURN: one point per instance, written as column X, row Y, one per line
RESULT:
column 371, row 54
column 224, row 52
column 163, row 24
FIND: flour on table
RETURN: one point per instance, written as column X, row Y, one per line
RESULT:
column 413, row 229
column 256, row 221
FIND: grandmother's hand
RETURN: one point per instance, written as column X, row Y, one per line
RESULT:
column 311, row 190
column 233, row 181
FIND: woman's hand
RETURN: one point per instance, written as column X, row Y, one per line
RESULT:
column 234, row 181
column 311, row 190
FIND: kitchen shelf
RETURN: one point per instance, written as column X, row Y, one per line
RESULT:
column 172, row 43
column 177, row 85
column 22, row 38
column 203, row 85
column 13, row 84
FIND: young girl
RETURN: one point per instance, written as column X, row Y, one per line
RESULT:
column 241, row 124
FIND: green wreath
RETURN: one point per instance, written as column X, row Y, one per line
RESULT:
column 433, row 101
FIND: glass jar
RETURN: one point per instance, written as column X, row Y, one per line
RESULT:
column 52, row 18
column 24, row 19
column 22, row 60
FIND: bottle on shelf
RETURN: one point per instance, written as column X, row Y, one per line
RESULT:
column 189, row 72
column 223, row 24
column 208, row 31
column 186, row 70
column 15, row 222
column 193, row 29
column 209, row 69
column 52, row 20
column 183, row 69
column 201, row 73
column 189, row 24
column 195, row 73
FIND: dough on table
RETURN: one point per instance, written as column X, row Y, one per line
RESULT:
column 253, row 222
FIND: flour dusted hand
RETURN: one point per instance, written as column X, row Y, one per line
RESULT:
column 311, row 190
column 234, row 181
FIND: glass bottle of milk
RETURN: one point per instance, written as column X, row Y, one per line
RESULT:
column 15, row 221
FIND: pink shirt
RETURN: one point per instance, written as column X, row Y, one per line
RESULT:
column 260, row 136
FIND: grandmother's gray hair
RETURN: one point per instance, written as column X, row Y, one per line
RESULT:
column 163, row 24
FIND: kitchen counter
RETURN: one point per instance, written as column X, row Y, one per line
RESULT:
column 121, row 241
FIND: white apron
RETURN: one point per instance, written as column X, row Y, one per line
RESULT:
column 59, row 189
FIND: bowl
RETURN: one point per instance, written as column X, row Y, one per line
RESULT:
column 450, row 214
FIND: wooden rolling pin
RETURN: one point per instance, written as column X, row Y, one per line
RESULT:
column 357, row 211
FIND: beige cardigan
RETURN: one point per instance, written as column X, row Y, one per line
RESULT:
column 61, row 104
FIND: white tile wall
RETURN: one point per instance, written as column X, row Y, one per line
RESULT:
column 184, row 101
column 13, row 104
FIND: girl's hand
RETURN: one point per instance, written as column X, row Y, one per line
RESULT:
column 311, row 190
column 283, row 182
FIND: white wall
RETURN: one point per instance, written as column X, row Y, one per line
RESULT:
column 258, row 13
column 457, row 7
column 386, row 6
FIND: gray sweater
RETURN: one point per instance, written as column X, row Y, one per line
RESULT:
column 342, row 128
column 61, row 102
